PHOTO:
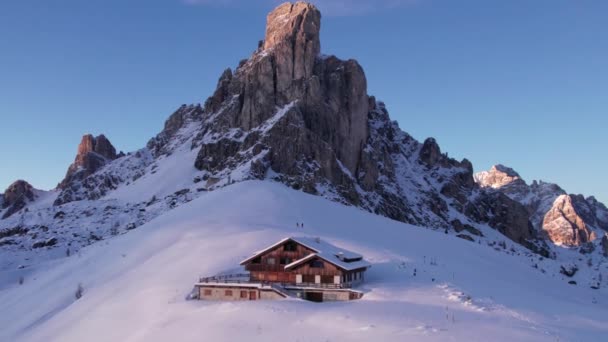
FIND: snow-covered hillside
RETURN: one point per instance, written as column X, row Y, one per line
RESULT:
column 135, row 285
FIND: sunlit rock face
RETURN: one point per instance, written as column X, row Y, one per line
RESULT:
column 499, row 176
column 565, row 219
column 564, row 226
column 93, row 153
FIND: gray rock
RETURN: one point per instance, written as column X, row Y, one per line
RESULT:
column 504, row 214
column 16, row 197
column 430, row 153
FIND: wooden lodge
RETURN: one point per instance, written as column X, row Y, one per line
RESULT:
column 306, row 261
column 303, row 267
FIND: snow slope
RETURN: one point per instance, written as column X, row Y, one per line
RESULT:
column 135, row 284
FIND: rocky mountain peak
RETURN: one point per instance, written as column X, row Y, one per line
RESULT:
column 497, row 177
column 292, row 36
column 93, row 153
column 306, row 120
column 16, row 197
column 296, row 23
column 100, row 145
column 322, row 101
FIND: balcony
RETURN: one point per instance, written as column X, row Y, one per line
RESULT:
column 265, row 268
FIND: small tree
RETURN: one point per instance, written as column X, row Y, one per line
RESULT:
column 79, row 291
column 21, row 280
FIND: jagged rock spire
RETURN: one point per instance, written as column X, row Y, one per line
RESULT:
column 292, row 30
column 328, row 96
column 93, row 153
column 100, row 145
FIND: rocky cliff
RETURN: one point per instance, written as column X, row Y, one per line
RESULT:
column 93, row 153
column 564, row 219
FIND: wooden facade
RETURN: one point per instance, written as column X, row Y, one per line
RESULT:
column 270, row 266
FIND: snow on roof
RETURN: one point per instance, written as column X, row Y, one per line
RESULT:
column 220, row 284
column 340, row 257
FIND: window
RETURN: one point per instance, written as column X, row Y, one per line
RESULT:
column 270, row 261
column 327, row 279
column 243, row 294
column 308, row 278
column 290, row 246
column 317, row 264
column 257, row 261
column 285, row 261
column 207, row 292
column 228, row 293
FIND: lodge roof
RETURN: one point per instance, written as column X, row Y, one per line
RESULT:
column 340, row 257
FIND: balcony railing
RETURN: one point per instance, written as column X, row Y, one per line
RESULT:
column 243, row 278
column 226, row 278
column 319, row 285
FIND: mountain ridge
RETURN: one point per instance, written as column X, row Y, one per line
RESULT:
column 565, row 219
column 293, row 115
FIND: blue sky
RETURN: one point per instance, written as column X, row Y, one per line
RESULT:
column 518, row 82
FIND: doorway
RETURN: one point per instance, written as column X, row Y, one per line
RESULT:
column 314, row 296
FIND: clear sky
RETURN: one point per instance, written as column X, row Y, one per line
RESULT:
column 518, row 82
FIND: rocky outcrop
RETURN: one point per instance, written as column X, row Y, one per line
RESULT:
column 604, row 244
column 430, row 153
column 568, row 220
column 93, row 153
column 507, row 216
column 564, row 226
column 592, row 212
column 16, row 197
column 161, row 144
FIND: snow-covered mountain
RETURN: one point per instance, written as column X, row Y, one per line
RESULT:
column 564, row 219
column 290, row 117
